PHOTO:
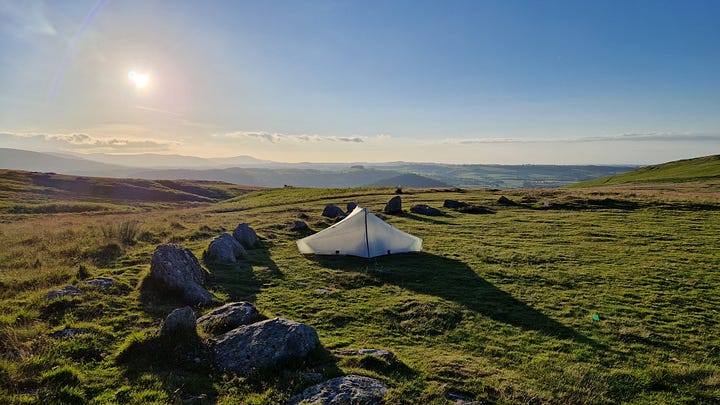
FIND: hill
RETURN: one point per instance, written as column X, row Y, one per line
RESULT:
column 570, row 296
column 17, row 159
column 702, row 169
column 22, row 191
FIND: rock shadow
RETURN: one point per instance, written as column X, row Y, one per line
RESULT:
column 455, row 281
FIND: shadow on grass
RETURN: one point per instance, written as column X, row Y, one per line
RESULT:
column 453, row 280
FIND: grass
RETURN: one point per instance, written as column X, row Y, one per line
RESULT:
column 698, row 170
column 498, row 308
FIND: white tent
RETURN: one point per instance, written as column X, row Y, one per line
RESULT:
column 360, row 234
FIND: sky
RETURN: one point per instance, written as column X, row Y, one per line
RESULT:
column 506, row 82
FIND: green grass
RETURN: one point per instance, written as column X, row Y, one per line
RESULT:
column 702, row 169
column 497, row 308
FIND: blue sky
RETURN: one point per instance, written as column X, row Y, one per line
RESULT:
column 448, row 81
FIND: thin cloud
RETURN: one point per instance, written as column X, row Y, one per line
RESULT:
column 90, row 143
column 628, row 137
column 274, row 137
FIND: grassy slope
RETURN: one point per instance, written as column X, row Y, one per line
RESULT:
column 22, row 191
column 703, row 169
column 498, row 307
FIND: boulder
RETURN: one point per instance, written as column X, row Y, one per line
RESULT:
column 224, row 249
column 423, row 209
column 394, row 206
column 350, row 389
column 101, row 282
column 351, row 207
column 506, row 201
column 68, row 290
column 454, row 204
column 245, row 235
column 379, row 353
column 333, row 211
column 299, row 226
column 476, row 209
column 262, row 345
column 229, row 316
column 180, row 321
column 179, row 271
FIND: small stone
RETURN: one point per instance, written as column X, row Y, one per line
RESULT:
column 229, row 316
column 423, row 209
column 350, row 207
column 506, row 201
column 299, row 226
column 180, row 320
column 68, row 290
column 454, row 204
column 350, row 389
column 101, row 282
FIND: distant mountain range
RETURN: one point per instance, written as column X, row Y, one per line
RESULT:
column 247, row 170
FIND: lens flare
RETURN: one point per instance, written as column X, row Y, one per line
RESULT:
column 140, row 80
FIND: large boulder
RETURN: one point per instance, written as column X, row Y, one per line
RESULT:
column 349, row 389
column 229, row 316
column 244, row 234
column 333, row 211
column 423, row 209
column 262, row 345
column 224, row 249
column 178, row 270
column 394, row 206
column 180, row 321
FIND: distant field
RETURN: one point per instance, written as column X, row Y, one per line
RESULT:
column 499, row 308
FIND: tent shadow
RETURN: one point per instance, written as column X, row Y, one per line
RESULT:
column 455, row 281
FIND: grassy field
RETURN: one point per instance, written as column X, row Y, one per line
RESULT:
column 595, row 295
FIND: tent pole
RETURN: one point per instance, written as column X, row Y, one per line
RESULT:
column 367, row 242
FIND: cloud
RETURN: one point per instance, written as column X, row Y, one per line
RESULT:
column 274, row 137
column 627, row 137
column 89, row 143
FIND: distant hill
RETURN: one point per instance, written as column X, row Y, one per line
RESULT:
column 17, row 159
column 702, row 169
column 32, row 186
column 409, row 180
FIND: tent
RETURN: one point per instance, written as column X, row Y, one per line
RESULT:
column 360, row 234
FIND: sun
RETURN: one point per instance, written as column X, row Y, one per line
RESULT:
column 141, row 80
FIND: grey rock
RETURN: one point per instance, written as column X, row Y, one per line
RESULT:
column 178, row 270
column 229, row 316
column 379, row 353
column 244, row 234
column 454, row 204
column 264, row 344
column 68, row 290
column 225, row 249
column 67, row 332
column 180, row 321
column 101, row 282
column 423, row 209
column 351, row 207
column 333, row 211
column 506, row 201
column 321, row 291
column 299, row 226
column 347, row 390
column 394, row 206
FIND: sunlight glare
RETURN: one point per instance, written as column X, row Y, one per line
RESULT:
column 140, row 80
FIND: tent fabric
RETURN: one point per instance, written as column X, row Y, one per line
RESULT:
column 360, row 234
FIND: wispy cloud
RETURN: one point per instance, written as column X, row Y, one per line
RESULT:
column 627, row 137
column 90, row 143
column 274, row 137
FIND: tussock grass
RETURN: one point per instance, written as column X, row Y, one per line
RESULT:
column 498, row 307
